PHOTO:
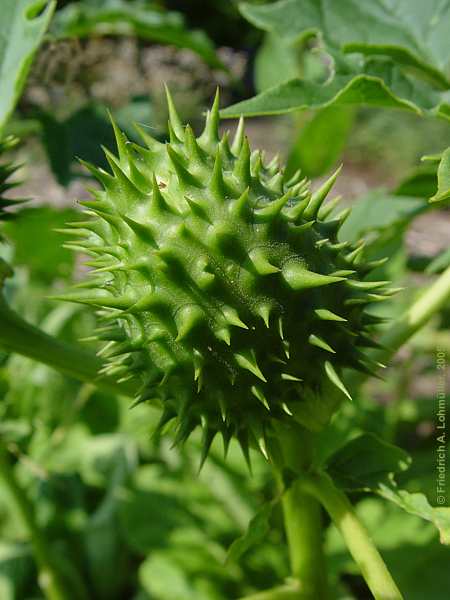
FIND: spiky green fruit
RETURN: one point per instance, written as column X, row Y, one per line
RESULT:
column 7, row 170
column 222, row 286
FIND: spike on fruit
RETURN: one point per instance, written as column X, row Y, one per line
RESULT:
column 174, row 119
column 221, row 288
column 299, row 278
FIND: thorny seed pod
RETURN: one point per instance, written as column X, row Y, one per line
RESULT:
column 222, row 286
column 6, row 172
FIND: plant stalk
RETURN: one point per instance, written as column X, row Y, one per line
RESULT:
column 359, row 543
column 417, row 315
column 17, row 335
column 304, row 530
column 302, row 517
column 402, row 329
column 49, row 579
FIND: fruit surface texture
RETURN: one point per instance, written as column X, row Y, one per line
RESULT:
column 222, row 286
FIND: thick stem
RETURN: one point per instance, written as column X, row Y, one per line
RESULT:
column 358, row 541
column 302, row 517
column 16, row 335
column 50, row 580
column 303, row 524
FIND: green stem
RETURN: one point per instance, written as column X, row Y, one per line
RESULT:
column 49, row 578
column 302, row 517
column 403, row 328
column 16, row 335
column 304, row 530
column 356, row 537
column 418, row 314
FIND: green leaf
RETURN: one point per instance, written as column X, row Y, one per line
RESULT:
column 342, row 90
column 440, row 263
column 139, row 17
column 417, row 504
column 419, row 183
column 394, row 38
column 275, row 62
column 22, row 27
column 378, row 211
column 443, row 176
column 63, row 143
column 163, row 578
column 309, row 153
column 257, row 530
column 366, row 461
column 172, row 504
column 412, row 32
column 381, row 84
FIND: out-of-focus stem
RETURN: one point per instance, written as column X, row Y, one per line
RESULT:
column 50, row 580
column 356, row 537
column 16, row 335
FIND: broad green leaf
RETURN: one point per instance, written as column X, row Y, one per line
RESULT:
column 257, row 530
column 378, row 211
column 158, row 504
column 391, row 42
column 164, row 579
column 421, row 182
column 136, row 17
column 381, row 84
column 412, row 32
column 309, row 152
column 22, row 27
column 366, row 461
column 443, row 176
column 417, row 504
column 275, row 62
column 64, row 144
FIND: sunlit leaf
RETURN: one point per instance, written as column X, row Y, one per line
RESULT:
column 386, row 54
column 412, row 32
column 367, row 463
column 23, row 24
column 309, row 152
column 443, row 176
column 382, row 84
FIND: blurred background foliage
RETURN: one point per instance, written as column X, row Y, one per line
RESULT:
column 128, row 516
